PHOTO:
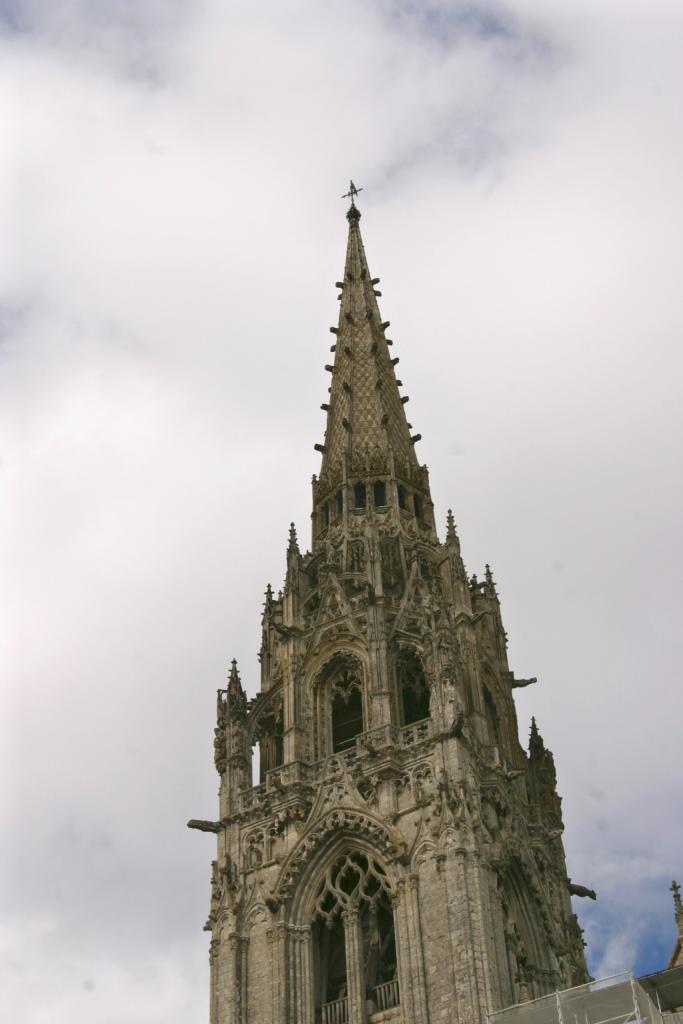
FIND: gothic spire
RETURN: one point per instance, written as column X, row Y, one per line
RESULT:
column 365, row 410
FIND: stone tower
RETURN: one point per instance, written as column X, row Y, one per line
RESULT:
column 401, row 858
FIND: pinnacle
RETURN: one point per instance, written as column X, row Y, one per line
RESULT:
column 365, row 411
column 234, row 676
column 536, row 744
column 451, row 532
column 237, row 698
column 293, row 545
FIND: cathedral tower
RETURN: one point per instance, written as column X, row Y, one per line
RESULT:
column 401, row 858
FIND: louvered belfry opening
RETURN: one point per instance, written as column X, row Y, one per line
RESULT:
column 347, row 710
column 412, row 687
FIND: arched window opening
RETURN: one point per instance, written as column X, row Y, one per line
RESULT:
column 379, row 493
column 339, row 502
column 412, row 687
column 347, row 710
column 379, row 948
column 360, row 496
column 417, row 505
column 330, row 970
column 268, row 735
column 325, row 515
column 354, row 894
column 402, row 499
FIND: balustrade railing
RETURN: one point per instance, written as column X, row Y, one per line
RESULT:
column 366, row 742
column 336, row 1012
column 415, row 732
column 385, row 996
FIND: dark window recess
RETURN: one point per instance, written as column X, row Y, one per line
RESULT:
column 412, row 688
column 379, row 945
column 339, row 502
column 330, row 953
column 359, row 495
column 347, row 711
column 402, row 500
column 268, row 735
column 379, row 493
column 325, row 512
column 417, row 505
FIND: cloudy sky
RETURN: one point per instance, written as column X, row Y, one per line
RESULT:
column 171, row 230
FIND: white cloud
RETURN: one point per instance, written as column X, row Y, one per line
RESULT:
column 170, row 190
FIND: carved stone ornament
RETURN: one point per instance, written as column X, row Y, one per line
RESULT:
column 382, row 837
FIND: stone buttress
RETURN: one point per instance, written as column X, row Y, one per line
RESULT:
column 401, row 857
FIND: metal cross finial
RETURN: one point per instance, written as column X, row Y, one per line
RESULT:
column 352, row 193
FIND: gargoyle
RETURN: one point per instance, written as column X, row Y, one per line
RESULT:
column 286, row 631
column 204, row 826
column 580, row 890
column 517, row 684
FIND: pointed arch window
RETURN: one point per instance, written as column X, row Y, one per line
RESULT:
column 354, row 940
column 413, row 689
column 402, row 497
column 347, row 709
column 417, row 506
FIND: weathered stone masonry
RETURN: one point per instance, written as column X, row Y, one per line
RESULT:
column 401, row 858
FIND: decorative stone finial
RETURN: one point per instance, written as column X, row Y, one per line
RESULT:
column 488, row 573
column 451, row 533
column 293, row 546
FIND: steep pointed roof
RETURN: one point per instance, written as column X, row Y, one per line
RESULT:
column 365, row 410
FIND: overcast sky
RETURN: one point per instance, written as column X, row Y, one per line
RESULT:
column 170, row 234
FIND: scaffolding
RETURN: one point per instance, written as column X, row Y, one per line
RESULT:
column 619, row 999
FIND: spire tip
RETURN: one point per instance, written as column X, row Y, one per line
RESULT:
column 353, row 213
